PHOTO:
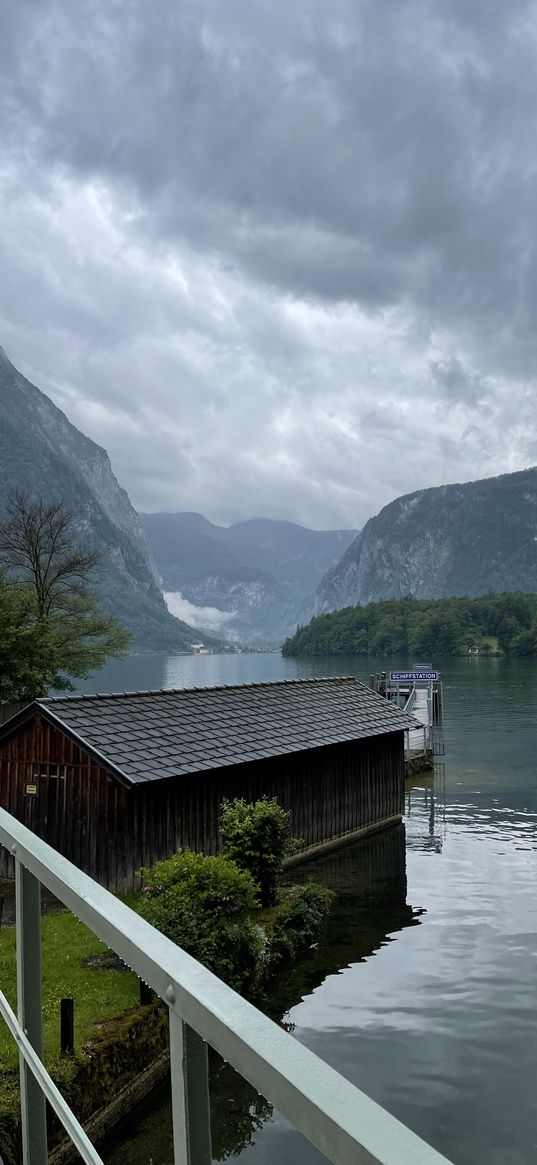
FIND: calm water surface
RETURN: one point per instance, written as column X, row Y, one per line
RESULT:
column 424, row 992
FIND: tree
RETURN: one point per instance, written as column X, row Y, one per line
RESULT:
column 257, row 836
column 21, row 645
column 51, row 625
column 36, row 542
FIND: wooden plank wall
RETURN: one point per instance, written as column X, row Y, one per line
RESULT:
column 75, row 805
column 110, row 831
column 330, row 792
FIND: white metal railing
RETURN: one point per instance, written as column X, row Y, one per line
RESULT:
column 341, row 1121
column 409, row 704
column 425, row 729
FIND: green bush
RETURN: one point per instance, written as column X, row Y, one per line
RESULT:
column 217, row 883
column 203, row 904
column 299, row 920
column 257, row 837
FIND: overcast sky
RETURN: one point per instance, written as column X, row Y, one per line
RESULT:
column 278, row 258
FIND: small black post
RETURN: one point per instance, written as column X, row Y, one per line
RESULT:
column 67, row 1026
column 146, row 994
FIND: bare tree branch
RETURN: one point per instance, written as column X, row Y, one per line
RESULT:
column 36, row 544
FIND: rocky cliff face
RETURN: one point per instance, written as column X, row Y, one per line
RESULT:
column 262, row 572
column 43, row 454
column 464, row 539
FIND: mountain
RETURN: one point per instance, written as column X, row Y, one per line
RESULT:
column 468, row 539
column 264, row 572
column 43, row 454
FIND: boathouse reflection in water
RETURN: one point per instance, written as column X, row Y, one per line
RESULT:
column 369, row 880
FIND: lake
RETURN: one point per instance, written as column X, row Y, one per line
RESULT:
column 423, row 991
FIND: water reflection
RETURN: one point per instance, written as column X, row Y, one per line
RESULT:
column 425, row 810
column 369, row 880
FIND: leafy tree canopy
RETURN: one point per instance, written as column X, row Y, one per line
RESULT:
column 505, row 623
column 51, row 626
column 257, row 836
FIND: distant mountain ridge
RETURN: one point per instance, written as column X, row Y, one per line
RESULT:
column 44, row 455
column 464, row 539
column 263, row 571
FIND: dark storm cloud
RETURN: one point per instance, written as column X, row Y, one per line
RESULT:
column 328, row 209
column 396, row 156
column 457, row 384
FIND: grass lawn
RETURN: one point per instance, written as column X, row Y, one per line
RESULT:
column 492, row 642
column 98, row 993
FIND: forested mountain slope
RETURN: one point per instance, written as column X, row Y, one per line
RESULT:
column 424, row 628
column 467, row 539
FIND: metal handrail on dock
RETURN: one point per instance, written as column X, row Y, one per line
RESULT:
column 411, row 700
column 339, row 1119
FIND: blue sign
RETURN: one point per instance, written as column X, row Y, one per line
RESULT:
column 412, row 677
column 422, row 667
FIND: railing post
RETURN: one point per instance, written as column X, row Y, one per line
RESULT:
column 67, row 1026
column 28, row 931
column 190, row 1095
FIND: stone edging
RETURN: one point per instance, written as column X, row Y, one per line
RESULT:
column 99, row 1123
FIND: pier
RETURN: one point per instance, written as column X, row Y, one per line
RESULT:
column 420, row 703
column 420, row 692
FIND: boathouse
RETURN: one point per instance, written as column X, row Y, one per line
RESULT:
column 118, row 781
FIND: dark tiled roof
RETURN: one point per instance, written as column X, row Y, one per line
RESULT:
column 147, row 736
